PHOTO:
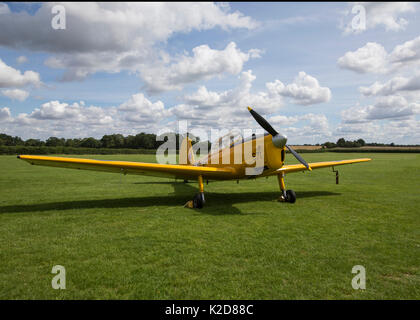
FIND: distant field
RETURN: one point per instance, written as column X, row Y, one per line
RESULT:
column 373, row 148
column 388, row 148
column 307, row 147
column 129, row 237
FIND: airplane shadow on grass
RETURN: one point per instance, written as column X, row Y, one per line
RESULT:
column 216, row 203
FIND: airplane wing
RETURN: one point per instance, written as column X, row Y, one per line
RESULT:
column 128, row 167
column 317, row 165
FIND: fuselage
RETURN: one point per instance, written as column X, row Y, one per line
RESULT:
column 257, row 153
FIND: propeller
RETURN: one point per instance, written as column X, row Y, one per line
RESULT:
column 279, row 140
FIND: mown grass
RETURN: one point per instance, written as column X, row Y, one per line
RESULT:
column 129, row 237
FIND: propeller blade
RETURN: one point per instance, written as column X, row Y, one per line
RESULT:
column 263, row 123
column 297, row 156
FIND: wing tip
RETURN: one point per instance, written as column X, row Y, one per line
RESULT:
column 249, row 108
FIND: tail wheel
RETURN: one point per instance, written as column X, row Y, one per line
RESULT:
column 290, row 196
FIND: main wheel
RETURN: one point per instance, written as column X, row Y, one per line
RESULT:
column 198, row 201
column 290, row 196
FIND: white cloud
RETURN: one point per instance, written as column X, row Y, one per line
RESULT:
column 124, row 26
column 79, row 66
column 395, row 85
column 386, row 14
column 393, row 107
column 389, row 107
column 137, row 114
column 10, row 77
column 15, row 94
column 205, row 63
column 316, row 127
column 304, row 90
column 372, row 57
column 405, row 131
column 67, row 115
column 109, row 36
column 282, row 121
column 21, row 59
column 4, row 114
column 140, row 109
column 354, row 131
column 227, row 108
column 56, row 118
column 406, row 53
column 396, row 99
column 56, row 110
column 318, row 123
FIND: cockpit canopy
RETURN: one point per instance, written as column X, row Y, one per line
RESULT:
column 233, row 137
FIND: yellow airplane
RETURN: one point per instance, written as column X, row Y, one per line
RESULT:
column 210, row 168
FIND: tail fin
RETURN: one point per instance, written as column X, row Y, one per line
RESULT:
column 186, row 154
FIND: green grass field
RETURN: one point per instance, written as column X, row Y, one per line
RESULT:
column 129, row 237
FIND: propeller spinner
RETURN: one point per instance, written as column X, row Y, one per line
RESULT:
column 279, row 140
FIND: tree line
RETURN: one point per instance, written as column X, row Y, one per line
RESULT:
column 343, row 143
column 112, row 141
column 141, row 141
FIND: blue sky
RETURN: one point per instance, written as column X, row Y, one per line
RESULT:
column 128, row 68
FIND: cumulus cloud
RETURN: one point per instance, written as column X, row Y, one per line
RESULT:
column 227, row 108
column 76, row 113
column 389, row 107
column 109, row 36
column 385, row 14
column 4, row 114
column 373, row 58
column 393, row 86
column 406, row 53
column 63, row 119
column 117, row 27
column 206, row 109
column 56, row 110
column 10, row 77
column 205, row 63
column 282, row 121
column 140, row 109
column 396, row 99
column 404, row 131
column 314, row 126
column 15, row 94
column 304, row 90
column 79, row 120
column 78, row 66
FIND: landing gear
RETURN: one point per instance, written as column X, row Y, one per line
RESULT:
column 286, row 195
column 198, row 201
column 290, row 196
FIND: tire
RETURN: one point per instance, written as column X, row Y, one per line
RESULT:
column 198, row 201
column 290, row 196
